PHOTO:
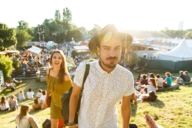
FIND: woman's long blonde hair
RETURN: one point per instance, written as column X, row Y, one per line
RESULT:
column 3, row 99
column 153, row 80
column 63, row 68
column 23, row 111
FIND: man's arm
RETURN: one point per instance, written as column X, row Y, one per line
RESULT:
column 74, row 102
column 126, row 111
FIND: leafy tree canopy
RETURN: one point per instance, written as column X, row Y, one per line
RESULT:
column 67, row 15
column 22, row 38
column 6, row 66
column 7, row 37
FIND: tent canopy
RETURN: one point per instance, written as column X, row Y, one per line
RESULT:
column 180, row 52
column 51, row 43
column 35, row 49
column 81, row 48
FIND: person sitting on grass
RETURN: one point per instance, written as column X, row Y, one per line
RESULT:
column 39, row 93
column 187, row 76
column 24, row 119
column 43, row 99
column 36, row 105
column 151, row 75
column 21, row 95
column 151, row 87
column 13, row 103
column 4, row 105
column 181, row 79
column 168, row 80
column 30, row 94
column 143, row 82
column 159, row 81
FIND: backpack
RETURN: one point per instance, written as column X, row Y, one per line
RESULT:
column 66, row 98
column 46, row 123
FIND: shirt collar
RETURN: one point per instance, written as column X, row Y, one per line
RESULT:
column 104, row 72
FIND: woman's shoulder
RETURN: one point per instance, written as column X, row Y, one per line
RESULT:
column 67, row 77
column 48, row 70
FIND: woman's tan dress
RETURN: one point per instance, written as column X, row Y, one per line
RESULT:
column 57, row 90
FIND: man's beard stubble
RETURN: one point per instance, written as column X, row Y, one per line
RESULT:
column 109, row 65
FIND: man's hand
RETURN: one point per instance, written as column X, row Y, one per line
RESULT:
column 150, row 121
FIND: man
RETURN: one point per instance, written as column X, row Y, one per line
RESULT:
column 181, row 79
column 106, row 85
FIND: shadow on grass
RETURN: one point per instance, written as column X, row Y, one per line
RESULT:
column 189, row 85
column 12, row 121
column 34, row 111
column 5, row 92
column 158, row 103
column 133, row 110
column 6, row 112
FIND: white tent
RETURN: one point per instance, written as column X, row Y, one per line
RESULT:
column 81, row 48
column 179, row 53
column 35, row 49
column 51, row 44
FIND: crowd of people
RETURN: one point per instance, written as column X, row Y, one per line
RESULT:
column 8, row 103
column 106, row 85
column 146, row 83
column 11, row 102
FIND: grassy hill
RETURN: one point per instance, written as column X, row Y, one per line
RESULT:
column 173, row 109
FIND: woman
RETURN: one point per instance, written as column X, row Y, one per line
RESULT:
column 13, row 103
column 151, row 87
column 59, row 81
column 4, row 105
column 42, row 99
column 168, row 80
column 39, row 93
column 24, row 119
column 36, row 105
column 21, row 95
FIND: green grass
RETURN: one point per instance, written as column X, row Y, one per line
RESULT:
column 173, row 109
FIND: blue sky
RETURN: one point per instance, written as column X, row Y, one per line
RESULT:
column 126, row 14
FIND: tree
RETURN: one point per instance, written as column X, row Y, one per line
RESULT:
column 22, row 25
column 7, row 37
column 132, row 59
column 84, row 33
column 76, row 34
column 96, row 29
column 22, row 34
column 74, row 53
column 67, row 15
column 22, row 38
column 46, row 21
column 188, row 34
column 57, row 15
column 6, row 66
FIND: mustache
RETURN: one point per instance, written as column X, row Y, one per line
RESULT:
column 112, row 58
